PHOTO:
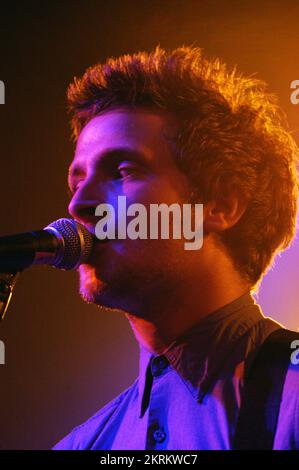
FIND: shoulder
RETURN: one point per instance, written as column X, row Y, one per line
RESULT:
column 83, row 435
column 287, row 435
column 284, row 348
column 291, row 384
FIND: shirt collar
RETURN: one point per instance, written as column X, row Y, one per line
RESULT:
column 199, row 354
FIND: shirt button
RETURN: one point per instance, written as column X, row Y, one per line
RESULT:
column 159, row 435
column 158, row 365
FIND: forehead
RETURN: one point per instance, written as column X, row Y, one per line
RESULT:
column 140, row 129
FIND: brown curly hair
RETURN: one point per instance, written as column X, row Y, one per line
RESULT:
column 231, row 134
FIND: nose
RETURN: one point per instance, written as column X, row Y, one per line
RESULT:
column 83, row 205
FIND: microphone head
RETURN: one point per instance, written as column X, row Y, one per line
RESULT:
column 75, row 243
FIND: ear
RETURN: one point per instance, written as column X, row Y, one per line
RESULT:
column 223, row 212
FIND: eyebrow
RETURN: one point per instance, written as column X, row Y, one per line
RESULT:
column 109, row 157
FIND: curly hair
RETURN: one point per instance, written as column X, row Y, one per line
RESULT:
column 232, row 134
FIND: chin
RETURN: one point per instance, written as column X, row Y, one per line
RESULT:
column 90, row 286
column 94, row 290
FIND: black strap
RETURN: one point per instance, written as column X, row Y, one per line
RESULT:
column 262, row 392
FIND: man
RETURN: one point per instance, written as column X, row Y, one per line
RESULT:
column 174, row 127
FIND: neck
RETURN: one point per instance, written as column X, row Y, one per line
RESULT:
column 169, row 316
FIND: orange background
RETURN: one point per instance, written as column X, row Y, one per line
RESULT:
column 66, row 359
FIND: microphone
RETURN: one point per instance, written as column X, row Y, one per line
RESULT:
column 64, row 244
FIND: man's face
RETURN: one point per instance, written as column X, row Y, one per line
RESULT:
column 128, row 153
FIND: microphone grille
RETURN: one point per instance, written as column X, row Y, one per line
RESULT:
column 76, row 244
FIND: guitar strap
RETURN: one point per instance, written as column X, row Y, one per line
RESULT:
column 262, row 392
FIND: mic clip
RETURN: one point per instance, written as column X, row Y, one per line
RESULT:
column 7, row 283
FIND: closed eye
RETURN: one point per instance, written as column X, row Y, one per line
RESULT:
column 124, row 172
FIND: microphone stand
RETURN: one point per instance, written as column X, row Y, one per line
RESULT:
column 7, row 283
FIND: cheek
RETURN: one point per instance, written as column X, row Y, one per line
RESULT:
column 146, row 253
column 161, row 193
column 156, row 190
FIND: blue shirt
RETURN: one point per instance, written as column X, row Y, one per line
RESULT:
column 188, row 398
